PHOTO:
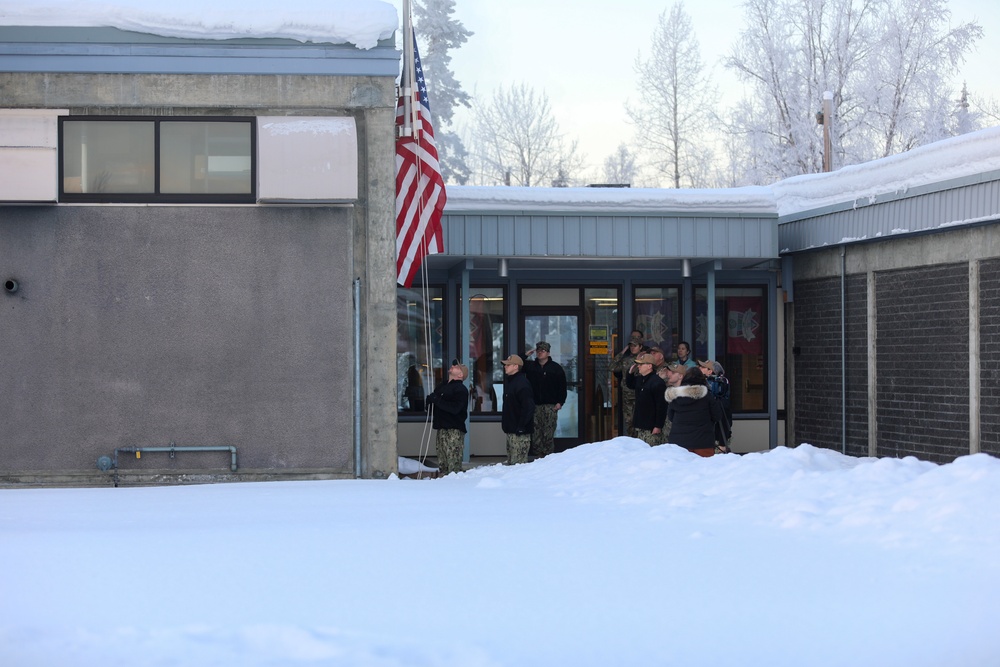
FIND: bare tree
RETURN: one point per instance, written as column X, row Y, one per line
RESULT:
column 887, row 63
column 620, row 167
column 911, row 100
column 517, row 141
column 987, row 109
column 676, row 100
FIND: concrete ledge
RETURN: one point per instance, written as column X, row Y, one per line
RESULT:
column 159, row 478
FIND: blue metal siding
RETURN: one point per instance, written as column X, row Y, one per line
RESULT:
column 530, row 234
column 923, row 210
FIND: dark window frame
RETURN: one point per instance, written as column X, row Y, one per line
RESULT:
column 156, row 197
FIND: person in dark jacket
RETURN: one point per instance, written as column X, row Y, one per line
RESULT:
column 650, row 410
column 548, row 381
column 693, row 413
column 518, row 416
column 718, row 386
column 451, row 409
column 620, row 366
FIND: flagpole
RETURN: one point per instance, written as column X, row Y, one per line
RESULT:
column 407, row 78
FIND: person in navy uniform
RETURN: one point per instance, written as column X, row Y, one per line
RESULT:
column 548, row 382
column 518, row 415
column 451, row 409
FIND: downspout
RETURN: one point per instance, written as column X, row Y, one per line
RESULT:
column 357, row 377
column 843, row 349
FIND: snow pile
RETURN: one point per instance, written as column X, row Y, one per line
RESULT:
column 359, row 22
column 612, row 553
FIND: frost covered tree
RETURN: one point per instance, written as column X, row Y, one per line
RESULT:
column 888, row 64
column 910, row 98
column 517, row 141
column 676, row 101
column 620, row 167
column 439, row 33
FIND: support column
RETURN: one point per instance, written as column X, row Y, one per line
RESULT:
column 872, row 368
column 975, row 395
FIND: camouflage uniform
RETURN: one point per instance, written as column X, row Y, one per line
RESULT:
column 546, row 417
column 450, row 402
column 648, row 437
column 620, row 365
column 450, row 444
column 517, row 448
column 548, row 386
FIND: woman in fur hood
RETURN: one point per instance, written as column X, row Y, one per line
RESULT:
column 693, row 413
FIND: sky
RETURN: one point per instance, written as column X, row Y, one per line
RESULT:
column 582, row 53
column 611, row 553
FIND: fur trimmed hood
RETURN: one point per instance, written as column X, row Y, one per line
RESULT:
column 692, row 391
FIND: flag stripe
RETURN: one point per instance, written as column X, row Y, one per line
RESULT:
column 420, row 191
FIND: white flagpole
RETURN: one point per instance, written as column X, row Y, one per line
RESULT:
column 407, row 79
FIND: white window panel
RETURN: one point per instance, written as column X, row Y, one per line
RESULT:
column 29, row 166
column 307, row 159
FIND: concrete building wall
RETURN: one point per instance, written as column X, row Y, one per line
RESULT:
column 202, row 325
column 150, row 325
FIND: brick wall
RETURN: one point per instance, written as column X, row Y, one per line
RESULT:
column 922, row 355
column 817, row 335
column 989, row 349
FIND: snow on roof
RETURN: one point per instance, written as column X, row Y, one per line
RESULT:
column 958, row 157
column 624, row 200
column 359, row 22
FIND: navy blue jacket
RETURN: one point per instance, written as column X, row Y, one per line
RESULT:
column 650, row 405
column 451, row 405
column 518, row 415
column 548, row 381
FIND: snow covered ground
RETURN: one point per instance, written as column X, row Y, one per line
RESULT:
column 608, row 554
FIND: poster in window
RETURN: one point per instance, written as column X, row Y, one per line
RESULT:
column 743, row 325
column 654, row 317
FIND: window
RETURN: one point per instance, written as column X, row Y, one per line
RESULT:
column 486, row 340
column 657, row 313
column 151, row 160
column 419, row 350
column 740, row 342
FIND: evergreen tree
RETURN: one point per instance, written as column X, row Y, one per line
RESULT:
column 438, row 33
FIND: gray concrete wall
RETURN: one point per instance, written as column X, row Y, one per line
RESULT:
column 246, row 336
column 199, row 326
column 196, row 94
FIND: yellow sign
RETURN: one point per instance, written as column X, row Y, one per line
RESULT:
column 598, row 347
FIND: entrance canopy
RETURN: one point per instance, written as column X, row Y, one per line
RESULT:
column 608, row 228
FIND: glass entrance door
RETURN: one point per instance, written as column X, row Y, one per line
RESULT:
column 561, row 329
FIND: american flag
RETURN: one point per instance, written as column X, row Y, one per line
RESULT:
column 420, row 195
